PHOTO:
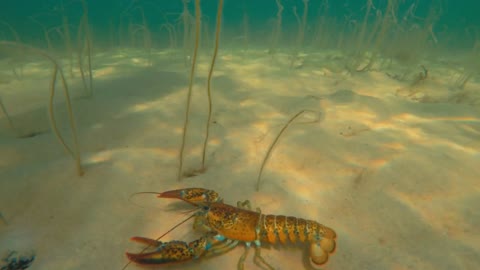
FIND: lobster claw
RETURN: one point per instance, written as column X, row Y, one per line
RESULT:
column 193, row 196
column 163, row 252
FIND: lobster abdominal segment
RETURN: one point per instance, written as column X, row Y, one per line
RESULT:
column 242, row 225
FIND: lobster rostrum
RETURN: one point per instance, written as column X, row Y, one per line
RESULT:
column 225, row 226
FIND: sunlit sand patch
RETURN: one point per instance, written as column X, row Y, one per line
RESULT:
column 248, row 103
column 444, row 221
column 439, row 142
column 369, row 160
column 291, row 169
column 169, row 152
column 251, row 71
column 471, row 129
column 124, row 166
column 140, row 107
column 107, row 71
column 154, row 105
column 253, row 83
column 227, row 57
column 366, row 116
column 415, row 134
column 244, row 141
column 33, row 70
column 394, row 146
column 139, row 61
column 202, row 67
column 269, row 203
column 166, row 52
column 99, row 157
column 261, row 127
column 195, row 150
column 384, row 125
column 378, row 163
column 406, row 117
column 177, row 130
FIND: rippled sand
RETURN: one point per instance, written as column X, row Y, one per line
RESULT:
column 391, row 165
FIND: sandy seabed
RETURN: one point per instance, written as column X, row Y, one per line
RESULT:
column 392, row 167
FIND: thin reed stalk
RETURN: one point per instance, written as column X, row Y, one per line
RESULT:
column 57, row 70
column 277, row 30
column 83, row 36
column 9, row 119
column 67, row 37
column 190, row 87
column 209, row 81
column 275, row 141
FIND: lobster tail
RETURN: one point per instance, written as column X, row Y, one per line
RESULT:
column 278, row 227
column 320, row 250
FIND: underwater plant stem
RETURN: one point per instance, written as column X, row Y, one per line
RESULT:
column 3, row 219
column 67, row 37
column 12, row 30
column 185, row 16
column 147, row 36
column 9, row 120
column 172, row 34
column 464, row 78
column 385, row 25
column 301, row 31
column 88, row 40
column 209, row 81
column 190, row 86
column 85, row 30
column 56, row 70
column 76, row 152
column 277, row 29
column 360, row 43
column 45, row 33
column 304, row 23
column 80, row 57
column 51, row 113
column 270, row 149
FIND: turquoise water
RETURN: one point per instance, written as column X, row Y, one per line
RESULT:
column 455, row 25
column 360, row 115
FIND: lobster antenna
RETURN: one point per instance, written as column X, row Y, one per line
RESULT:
column 143, row 192
column 174, row 227
column 156, row 193
column 137, row 193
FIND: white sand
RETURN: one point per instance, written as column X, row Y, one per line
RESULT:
column 397, row 178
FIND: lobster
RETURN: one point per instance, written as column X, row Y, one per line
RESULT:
column 225, row 226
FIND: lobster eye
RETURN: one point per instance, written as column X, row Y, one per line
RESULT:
column 205, row 208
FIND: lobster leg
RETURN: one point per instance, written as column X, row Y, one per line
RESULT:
column 221, row 246
column 257, row 259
